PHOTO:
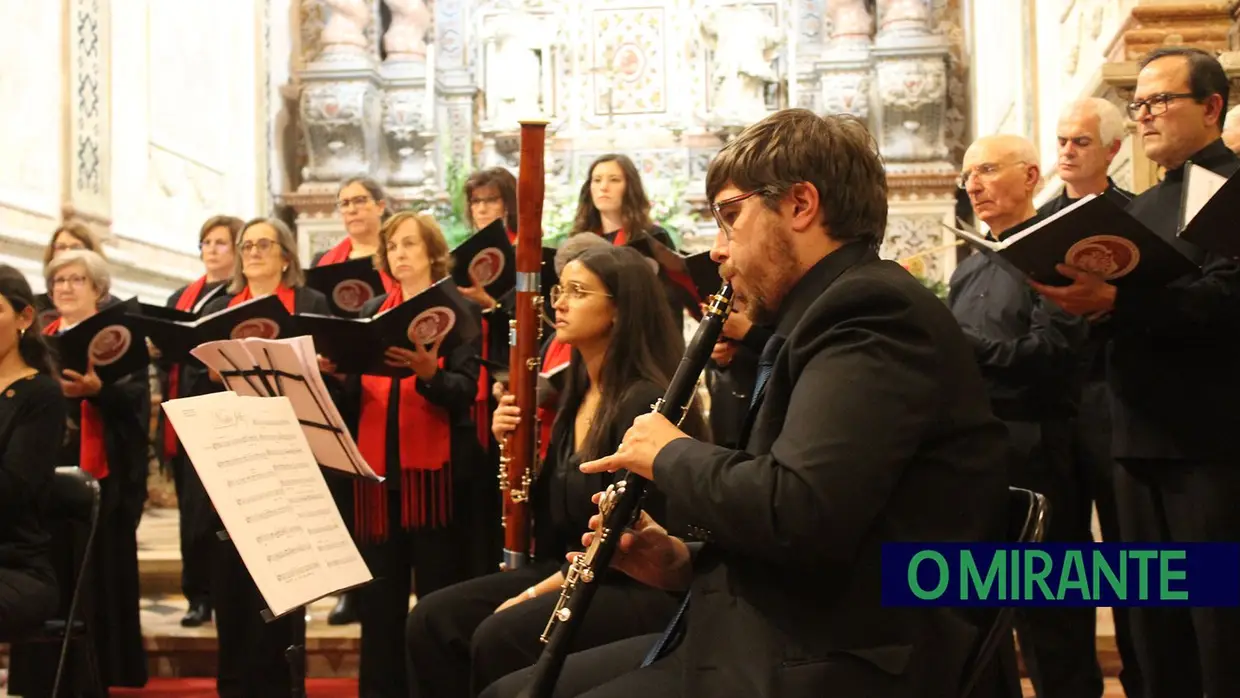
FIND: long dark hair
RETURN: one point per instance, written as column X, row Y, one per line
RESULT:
column 634, row 205
column 645, row 345
column 33, row 348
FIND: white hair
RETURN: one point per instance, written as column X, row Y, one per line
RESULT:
column 1110, row 120
column 1233, row 119
column 92, row 263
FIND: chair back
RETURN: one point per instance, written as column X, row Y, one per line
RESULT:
column 1028, row 512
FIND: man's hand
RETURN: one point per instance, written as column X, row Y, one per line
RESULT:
column 737, row 325
column 647, row 553
column 642, row 442
column 723, row 353
column 1087, row 295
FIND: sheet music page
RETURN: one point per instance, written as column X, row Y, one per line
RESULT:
column 311, row 401
column 1200, row 186
column 257, row 467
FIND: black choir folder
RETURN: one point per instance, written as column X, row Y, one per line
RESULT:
column 347, row 285
column 358, row 345
column 109, row 340
column 176, row 333
column 490, row 256
column 1209, row 210
column 705, row 274
column 1093, row 234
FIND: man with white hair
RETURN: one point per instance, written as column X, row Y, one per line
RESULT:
column 1231, row 130
column 1089, row 133
column 1029, row 352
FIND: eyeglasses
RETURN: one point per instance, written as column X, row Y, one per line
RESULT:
column 355, row 202
column 716, row 209
column 68, row 246
column 75, row 281
column 218, row 244
column 263, row 246
column 573, row 292
column 986, row 171
column 1157, row 104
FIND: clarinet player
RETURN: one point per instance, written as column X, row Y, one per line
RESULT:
column 870, row 424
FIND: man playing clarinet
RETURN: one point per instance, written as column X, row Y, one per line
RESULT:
column 870, row 425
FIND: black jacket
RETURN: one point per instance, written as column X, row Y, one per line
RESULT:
column 874, row 427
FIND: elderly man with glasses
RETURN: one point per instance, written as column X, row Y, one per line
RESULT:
column 1030, row 355
column 1174, row 377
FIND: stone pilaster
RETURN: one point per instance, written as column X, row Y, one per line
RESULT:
column 87, row 191
column 1155, row 23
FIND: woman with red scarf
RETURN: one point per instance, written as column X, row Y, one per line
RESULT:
column 417, row 432
column 363, row 207
column 216, row 240
column 251, row 652
column 107, row 437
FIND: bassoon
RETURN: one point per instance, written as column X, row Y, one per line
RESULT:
column 620, row 507
column 519, row 449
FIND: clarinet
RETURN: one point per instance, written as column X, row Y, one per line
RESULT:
column 620, row 507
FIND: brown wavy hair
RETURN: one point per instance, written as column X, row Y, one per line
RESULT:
column 634, row 206
column 78, row 230
column 502, row 180
column 432, row 238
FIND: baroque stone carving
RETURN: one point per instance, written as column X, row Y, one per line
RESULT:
column 743, row 41
column 912, row 92
column 847, row 91
column 851, row 24
column 405, row 39
column 345, row 30
column 339, row 119
column 514, row 63
column 407, row 137
column 903, row 18
column 912, row 240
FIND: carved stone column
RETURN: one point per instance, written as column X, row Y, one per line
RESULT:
column 408, row 126
column 846, row 70
column 87, row 190
column 457, row 89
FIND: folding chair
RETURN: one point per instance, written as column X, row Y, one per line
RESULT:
column 1028, row 513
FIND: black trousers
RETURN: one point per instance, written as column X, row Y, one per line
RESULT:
column 404, row 562
column 1183, row 651
column 1095, row 471
column 27, row 599
column 251, row 651
column 196, row 545
column 608, row 671
column 1059, row 645
column 458, row 645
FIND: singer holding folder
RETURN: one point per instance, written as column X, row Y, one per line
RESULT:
column 611, row 312
column 251, row 652
column 216, row 241
column 418, row 433
column 107, row 437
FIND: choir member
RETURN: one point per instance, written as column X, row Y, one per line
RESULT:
column 71, row 236
column 1030, row 353
column 624, row 351
column 417, row 432
column 1172, row 371
column 871, row 426
column 107, row 436
column 252, row 663
column 32, row 415
column 363, row 205
column 1089, row 134
column 613, row 203
column 216, row 240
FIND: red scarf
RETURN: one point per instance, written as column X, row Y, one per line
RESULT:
column 558, row 354
column 287, row 296
column 482, row 401
column 185, row 303
column 425, row 450
column 93, row 453
column 340, row 253
column 621, row 238
column 512, row 237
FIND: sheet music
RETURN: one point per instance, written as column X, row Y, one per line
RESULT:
column 295, row 357
column 256, row 465
column 1200, row 185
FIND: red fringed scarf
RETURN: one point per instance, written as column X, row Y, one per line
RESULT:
column 186, row 304
column 512, row 237
column 621, row 238
column 558, row 354
column 288, row 297
column 340, row 253
column 425, row 449
column 482, row 401
column 93, row 453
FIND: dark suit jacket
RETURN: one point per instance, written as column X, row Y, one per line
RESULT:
column 874, row 427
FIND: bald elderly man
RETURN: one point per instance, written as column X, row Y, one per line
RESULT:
column 1031, row 356
column 1231, row 130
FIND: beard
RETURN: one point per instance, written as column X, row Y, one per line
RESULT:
column 768, row 279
